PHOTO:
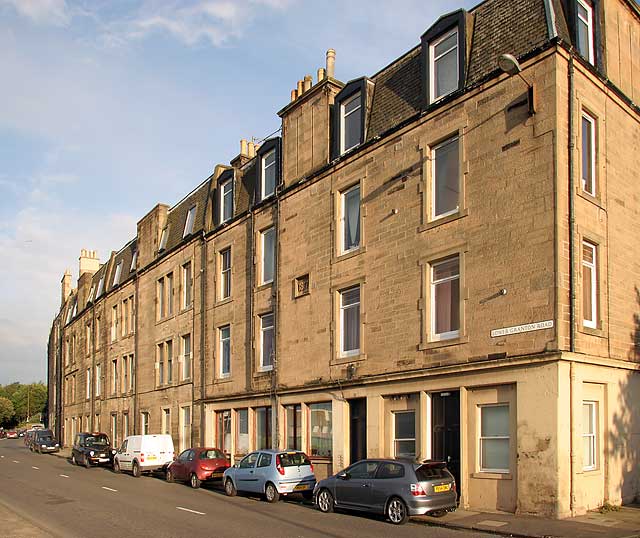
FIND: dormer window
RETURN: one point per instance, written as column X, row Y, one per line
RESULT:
column 350, row 122
column 443, row 65
column 100, row 287
column 584, row 30
column 90, row 299
column 226, row 200
column 116, row 276
column 134, row 260
column 268, row 174
column 188, row 224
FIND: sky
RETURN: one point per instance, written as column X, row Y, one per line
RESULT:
column 108, row 107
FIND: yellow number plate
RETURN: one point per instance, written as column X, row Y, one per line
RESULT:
column 444, row 487
column 301, row 487
column 151, row 458
column 216, row 475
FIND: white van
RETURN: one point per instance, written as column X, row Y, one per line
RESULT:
column 144, row 453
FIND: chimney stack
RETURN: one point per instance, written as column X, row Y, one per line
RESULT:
column 331, row 63
column 321, row 72
column 294, row 95
column 66, row 286
column 89, row 262
column 308, row 81
column 252, row 150
column 243, row 147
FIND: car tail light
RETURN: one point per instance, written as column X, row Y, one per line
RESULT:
column 142, row 457
column 453, row 487
column 279, row 465
column 311, row 465
column 417, row 490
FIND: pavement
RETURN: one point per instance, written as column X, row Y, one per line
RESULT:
column 622, row 523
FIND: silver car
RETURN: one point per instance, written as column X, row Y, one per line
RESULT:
column 395, row 488
column 271, row 473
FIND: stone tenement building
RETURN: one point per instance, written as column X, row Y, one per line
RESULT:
column 435, row 261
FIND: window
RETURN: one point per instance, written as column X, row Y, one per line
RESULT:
column 446, row 178
column 589, row 285
column 294, row 426
column 589, row 429
column 268, row 174
column 114, row 376
column 350, row 321
column 169, row 294
column 88, row 384
column 268, row 248
column 350, row 122
column 225, row 351
column 97, row 333
column 114, row 428
column 242, row 444
column 91, row 293
column 223, row 430
column 144, row 423
column 161, row 351
column 263, row 427
column 187, row 285
column 186, row 357
column 588, row 154
column 363, row 470
column 131, row 372
column 188, row 224
column 266, row 342
column 443, row 65
column 445, row 299
column 100, row 287
column 404, row 440
column 166, row 421
column 114, row 323
column 226, row 200
column 169, row 354
column 321, row 429
column 584, row 25
column 98, row 381
column 118, row 273
column 162, row 305
column 125, row 373
column 134, row 261
column 163, row 240
column 87, row 338
column 125, row 424
column 265, row 460
column 350, row 219
column 225, row 273
column 494, row 438
column 250, row 461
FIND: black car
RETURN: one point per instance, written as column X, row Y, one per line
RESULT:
column 92, row 449
column 44, row 442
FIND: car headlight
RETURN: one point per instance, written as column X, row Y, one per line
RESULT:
column 43, row 446
column 113, row 452
column 91, row 453
column 57, row 444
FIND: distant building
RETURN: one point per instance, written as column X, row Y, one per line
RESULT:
column 439, row 260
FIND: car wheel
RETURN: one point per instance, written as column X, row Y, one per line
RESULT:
column 116, row 466
column 194, row 481
column 169, row 476
column 87, row 462
column 73, row 459
column 397, row 511
column 271, row 493
column 229, row 488
column 324, row 501
column 135, row 470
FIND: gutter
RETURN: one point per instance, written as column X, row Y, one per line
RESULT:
column 203, row 300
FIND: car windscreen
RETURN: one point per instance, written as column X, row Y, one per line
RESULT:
column 432, row 472
column 293, row 459
column 97, row 440
column 45, row 438
column 212, row 455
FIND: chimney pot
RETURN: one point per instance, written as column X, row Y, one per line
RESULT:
column 252, row 150
column 331, row 63
column 294, row 95
column 321, row 74
column 300, row 88
column 243, row 147
column 308, row 81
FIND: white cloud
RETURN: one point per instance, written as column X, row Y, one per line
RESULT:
column 46, row 12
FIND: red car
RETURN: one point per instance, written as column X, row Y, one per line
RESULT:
column 198, row 465
column 12, row 435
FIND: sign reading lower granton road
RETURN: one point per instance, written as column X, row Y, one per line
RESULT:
column 527, row 327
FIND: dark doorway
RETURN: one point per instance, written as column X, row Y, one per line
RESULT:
column 358, row 428
column 445, row 436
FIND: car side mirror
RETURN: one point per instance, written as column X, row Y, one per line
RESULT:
column 344, row 475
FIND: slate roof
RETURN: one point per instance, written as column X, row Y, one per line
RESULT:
column 124, row 256
column 177, row 215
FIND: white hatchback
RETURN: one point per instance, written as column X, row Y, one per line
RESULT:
column 144, row 453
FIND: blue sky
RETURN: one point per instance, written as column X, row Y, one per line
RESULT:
column 108, row 107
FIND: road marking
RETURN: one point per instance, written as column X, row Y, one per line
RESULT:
column 109, row 489
column 64, row 476
column 15, row 461
column 36, row 468
column 192, row 511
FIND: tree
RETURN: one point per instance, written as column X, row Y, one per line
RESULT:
column 6, row 411
column 29, row 400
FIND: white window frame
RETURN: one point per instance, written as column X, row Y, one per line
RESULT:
column 225, row 274
column 187, row 272
column 343, row 116
column 114, row 376
column 166, row 420
column 100, row 287
column 343, row 218
column 186, row 357
column 400, row 439
column 592, row 158
column 263, row 236
column 588, row 22
column 263, row 169
column 134, row 260
column 436, row 337
column 98, row 381
column 189, row 222
column 481, row 438
column 90, row 299
column 221, row 342
column 591, row 434
column 343, row 309
column 163, row 239
column 145, row 419
column 114, row 322
column 223, row 194
column 118, row 273
column 435, row 216
column 88, row 384
column 114, row 428
column 433, row 60
column 125, row 425
column 591, row 323
column 265, row 367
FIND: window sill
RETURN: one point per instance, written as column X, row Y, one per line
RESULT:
column 348, row 359
column 591, row 472
column 186, row 308
column 592, row 332
column 432, row 344
column 223, row 379
column 492, row 476
column 443, row 220
column 347, row 255
column 595, row 200
column 224, row 301
column 264, row 286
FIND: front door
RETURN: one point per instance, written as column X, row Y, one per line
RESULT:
column 445, row 421
column 358, row 429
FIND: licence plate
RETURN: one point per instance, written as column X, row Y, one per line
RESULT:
column 151, row 458
column 443, row 487
column 300, row 487
column 216, row 475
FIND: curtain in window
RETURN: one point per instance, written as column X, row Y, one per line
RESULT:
column 267, row 340
column 494, row 424
column 321, row 429
column 351, row 319
column 263, row 427
column 446, row 281
column 447, row 180
column 268, row 255
column 352, row 218
column 242, row 446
